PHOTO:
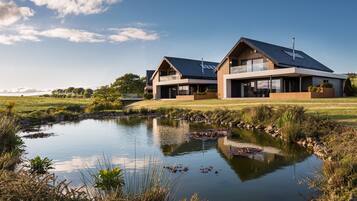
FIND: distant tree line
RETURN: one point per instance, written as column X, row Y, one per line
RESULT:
column 128, row 85
column 72, row 92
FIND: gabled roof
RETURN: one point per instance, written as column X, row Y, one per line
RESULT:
column 281, row 56
column 149, row 74
column 190, row 68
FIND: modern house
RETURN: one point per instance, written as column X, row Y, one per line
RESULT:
column 148, row 83
column 257, row 69
column 185, row 79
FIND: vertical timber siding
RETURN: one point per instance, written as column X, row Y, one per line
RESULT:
column 223, row 70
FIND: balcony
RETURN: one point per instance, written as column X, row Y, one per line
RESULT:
column 249, row 68
column 169, row 77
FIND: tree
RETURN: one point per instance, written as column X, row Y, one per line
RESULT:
column 106, row 93
column 78, row 91
column 129, row 84
column 349, row 91
column 69, row 90
column 88, row 93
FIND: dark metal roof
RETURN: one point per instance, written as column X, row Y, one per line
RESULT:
column 149, row 74
column 281, row 56
column 190, row 68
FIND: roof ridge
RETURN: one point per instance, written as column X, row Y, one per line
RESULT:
column 280, row 46
column 189, row 59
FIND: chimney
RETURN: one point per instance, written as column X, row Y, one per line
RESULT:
column 293, row 48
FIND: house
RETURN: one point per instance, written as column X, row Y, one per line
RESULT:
column 184, row 79
column 257, row 69
column 148, row 82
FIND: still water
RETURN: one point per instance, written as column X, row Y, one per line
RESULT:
column 273, row 174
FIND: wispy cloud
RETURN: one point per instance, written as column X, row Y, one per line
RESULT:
column 24, row 91
column 73, row 35
column 76, row 7
column 23, row 33
column 10, row 13
column 132, row 33
column 27, row 33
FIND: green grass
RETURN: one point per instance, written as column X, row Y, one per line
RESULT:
column 340, row 109
column 34, row 103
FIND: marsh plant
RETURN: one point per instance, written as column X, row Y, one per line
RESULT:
column 40, row 165
column 11, row 145
column 111, row 182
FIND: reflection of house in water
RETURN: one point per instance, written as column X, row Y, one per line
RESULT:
column 172, row 137
column 252, row 166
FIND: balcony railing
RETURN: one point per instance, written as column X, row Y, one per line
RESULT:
column 169, row 77
column 249, row 68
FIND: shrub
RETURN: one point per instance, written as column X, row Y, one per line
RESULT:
column 289, row 114
column 100, row 105
column 291, row 131
column 9, row 107
column 148, row 96
column 74, row 108
column 40, row 165
column 313, row 89
column 9, row 140
column 21, row 185
column 349, row 90
column 326, row 85
column 9, row 160
column 110, row 179
column 257, row 115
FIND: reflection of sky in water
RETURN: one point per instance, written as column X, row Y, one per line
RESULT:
column 128, row 143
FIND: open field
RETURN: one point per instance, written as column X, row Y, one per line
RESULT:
column 341, row 109
column 32, row 103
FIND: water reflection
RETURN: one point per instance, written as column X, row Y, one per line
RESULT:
column 131, row 141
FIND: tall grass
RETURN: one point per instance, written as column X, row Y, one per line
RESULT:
column 149, row 184
column 11, row 145
column 338, row 179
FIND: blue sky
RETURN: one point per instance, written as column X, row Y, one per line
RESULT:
column 50, row 44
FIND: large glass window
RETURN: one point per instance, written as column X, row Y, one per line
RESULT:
column 260, row 88
column 276, row 85
column 184, row 90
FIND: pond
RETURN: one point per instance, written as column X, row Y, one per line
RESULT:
column 272, row 174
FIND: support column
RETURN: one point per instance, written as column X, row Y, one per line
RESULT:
column 270, row 83
column 300, row 83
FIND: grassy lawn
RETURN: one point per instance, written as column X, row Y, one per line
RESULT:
column 341, row 109
column 32, row 103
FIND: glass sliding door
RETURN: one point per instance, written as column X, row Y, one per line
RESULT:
column 260, row 88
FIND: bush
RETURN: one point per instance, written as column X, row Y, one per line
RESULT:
column 109, row 180
column 326, row 85
column 9, row 140
column 257, row 115
column 148, row 96
column 349, row 90
column 24, row 186
column 291, row 132
column 100, row 105
column 40, row 165
column 313, row 89
column 74, row 108
column 289, row 114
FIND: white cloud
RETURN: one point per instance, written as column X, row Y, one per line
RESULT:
column 9, row 39
column 73, row 35
column 23, row 33
column 28, row 33
column 10, row 13
column 76, row 7
column 131, row 33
